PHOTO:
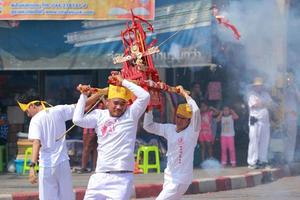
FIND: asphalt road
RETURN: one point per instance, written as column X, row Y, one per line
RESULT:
column 283, row 189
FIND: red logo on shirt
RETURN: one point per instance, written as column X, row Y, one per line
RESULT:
column 108, row 127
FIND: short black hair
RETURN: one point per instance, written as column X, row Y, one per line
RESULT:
column 195, row 83
column 226, row 104
column 30, row 95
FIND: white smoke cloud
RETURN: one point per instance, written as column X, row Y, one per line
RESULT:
column 263, row 35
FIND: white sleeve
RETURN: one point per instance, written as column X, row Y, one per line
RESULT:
column 67, row 111
column 34, row 131
column 152, row 127
column 252, row 100
column 196, row 117
column 143, row 97
column 84, row 121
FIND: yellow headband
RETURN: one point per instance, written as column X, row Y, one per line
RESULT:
column 184, row 110
column 24, row 106
column 119, row 92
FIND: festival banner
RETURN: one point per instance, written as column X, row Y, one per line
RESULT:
column 182, row 29
column 75, row 9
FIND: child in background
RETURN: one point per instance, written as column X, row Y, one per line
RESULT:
column 206, row 137
column 227, row 117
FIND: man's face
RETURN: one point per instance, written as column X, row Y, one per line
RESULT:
column 31, row 110
column 226, row 111
column 181, row 122
column 258, row 88
column 196, row 89
column 116, row 106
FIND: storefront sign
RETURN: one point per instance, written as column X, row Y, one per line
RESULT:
column 74, row 9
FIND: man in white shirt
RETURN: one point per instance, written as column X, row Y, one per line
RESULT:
column 259, row 125
column 116, row 130
column 46, row 125
column 182, row 139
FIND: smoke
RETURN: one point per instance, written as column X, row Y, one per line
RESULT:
column 211, row 166
column 294, row 40
column 262, row 25
column 270, row 41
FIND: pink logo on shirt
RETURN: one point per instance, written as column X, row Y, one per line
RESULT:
column 108, row 127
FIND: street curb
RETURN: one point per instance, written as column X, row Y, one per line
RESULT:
column 79, row 193
column 207, row 185
column 5, row 196
column 147, row 190
column 204, row 185
column 224, row 183
column 25, row 196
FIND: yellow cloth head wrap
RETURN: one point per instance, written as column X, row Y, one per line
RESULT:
column 184, row 110
column 24, row 106
column 119, row 92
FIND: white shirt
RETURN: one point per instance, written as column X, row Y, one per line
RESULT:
column 180, row 145
column 46, row 126
column 116, row 136
column 227, row 126
column 261, row 113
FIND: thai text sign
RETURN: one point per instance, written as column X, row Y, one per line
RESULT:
column 74, row 9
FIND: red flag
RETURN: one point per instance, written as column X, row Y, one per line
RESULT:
column 227, row 24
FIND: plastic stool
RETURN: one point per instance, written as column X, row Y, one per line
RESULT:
column 3, row 157
column 26, row 167
column 145, row 166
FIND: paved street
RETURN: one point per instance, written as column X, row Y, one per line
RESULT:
column 283, row 189
column 13, row 183
column 149, row 185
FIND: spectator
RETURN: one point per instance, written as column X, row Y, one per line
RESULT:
column 90, row 145
column 3, row 125
column 291, row 101
column 196, row 92
column 227, row 117
column 259, row 125
column 206, row 137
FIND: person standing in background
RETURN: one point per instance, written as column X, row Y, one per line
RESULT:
column 196, row 93
column 89, row 140
column 291, row 101
column 227, row 117
column 3, row 125
column 206, row 136
column 259, row 125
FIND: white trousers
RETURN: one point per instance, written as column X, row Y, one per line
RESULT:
column 55, row 183
column 172, row 191
column 109, row 186
column 259, row 138
column 290, row 140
